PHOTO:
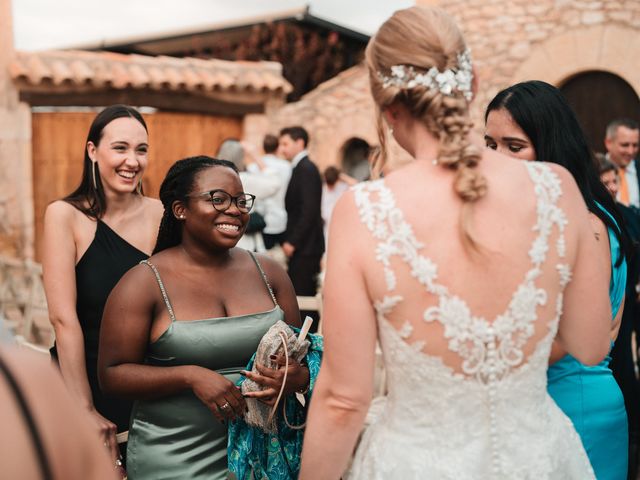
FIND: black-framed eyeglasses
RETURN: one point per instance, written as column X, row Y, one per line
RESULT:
column 221, row 200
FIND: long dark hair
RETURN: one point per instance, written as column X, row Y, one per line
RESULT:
column 88, row 199
column 544, row 115
column 176, row 186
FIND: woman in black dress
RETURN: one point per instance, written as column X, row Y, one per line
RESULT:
column 91, row 238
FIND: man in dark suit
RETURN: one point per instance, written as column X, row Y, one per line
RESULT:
column 304, row 240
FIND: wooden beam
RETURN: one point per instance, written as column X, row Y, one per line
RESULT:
column 213, row 104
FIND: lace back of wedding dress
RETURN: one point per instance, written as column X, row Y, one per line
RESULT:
column 450, row 413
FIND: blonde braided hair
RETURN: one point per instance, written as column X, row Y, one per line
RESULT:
column 425, row 37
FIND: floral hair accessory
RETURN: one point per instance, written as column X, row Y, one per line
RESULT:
column 447, row 82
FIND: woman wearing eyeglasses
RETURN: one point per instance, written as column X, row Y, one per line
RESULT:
column 179, row 328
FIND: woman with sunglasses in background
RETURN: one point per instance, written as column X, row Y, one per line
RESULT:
column 533, row 121
column 91, row 238
column 179, row 328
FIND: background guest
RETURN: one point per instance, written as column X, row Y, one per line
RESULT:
column 275, row 214
column 622, row 363
column 621, row 141
column 91, row 238
column 304, row 238
column 335, row 184
column 522, row 121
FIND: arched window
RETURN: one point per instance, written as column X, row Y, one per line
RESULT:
column 597, row 98
column 355, row 158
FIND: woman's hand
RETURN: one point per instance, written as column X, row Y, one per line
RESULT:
column 107, row 431
column 219, row 394
column 271, row 379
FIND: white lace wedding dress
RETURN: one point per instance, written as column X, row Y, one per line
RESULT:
column 490, row 417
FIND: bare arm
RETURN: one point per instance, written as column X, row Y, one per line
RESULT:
column 603, row 259
column 58, row 262
column 345, row 385
column 124, row 336
column 585, row 326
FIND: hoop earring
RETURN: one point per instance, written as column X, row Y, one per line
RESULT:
column 93, row 175
column 139, row 187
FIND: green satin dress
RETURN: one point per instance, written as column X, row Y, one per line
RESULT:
column 177, row 437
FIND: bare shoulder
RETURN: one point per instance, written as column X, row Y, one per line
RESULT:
column 563, row 174
column 141, row 276
column 61, row 216
column 60, row 212
column 272, row 269
column 346, row 204
column 153, row 207
column 571, row 195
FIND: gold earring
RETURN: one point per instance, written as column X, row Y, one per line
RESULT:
column 93, row 174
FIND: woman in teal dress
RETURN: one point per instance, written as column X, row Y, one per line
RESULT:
column 178, row 328
column 533, row 121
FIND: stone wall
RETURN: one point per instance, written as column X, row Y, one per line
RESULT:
column 549, row 40
column 511, row 41
column 16, row 198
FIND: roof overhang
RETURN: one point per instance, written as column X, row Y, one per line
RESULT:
column 150, row 44
column 71, row 77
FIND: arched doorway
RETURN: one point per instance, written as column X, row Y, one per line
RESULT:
column 355, row 158
column 598, row 97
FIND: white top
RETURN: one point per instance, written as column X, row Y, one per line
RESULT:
column 272, row 207
column 298, row 157
column 263, row 185
column 632, row 183
column 329, row 199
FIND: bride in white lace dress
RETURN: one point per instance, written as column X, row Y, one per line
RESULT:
column 465, row 266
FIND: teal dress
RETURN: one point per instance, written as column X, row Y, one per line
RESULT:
column 177, row 436
column 590, row 396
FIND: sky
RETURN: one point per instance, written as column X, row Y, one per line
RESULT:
column 46, row 24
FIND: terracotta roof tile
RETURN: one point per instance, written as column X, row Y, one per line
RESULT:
column 107, row 69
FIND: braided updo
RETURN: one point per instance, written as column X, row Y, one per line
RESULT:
column 425, row 37
column 176, row 186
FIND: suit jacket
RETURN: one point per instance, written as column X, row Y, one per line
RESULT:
column 637, row 164
column 302, row 202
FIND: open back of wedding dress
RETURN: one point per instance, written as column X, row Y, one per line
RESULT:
column 467, row 395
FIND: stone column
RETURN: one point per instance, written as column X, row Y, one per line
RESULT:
column 16, row 186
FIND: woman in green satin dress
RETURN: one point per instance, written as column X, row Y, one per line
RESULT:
column 178, row 328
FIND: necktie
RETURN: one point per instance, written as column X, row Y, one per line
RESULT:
column 623, row 191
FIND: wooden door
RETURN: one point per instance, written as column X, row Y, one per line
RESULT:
column 598, row 98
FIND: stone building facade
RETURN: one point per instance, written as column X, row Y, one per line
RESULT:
column 511, row 41
column 16, row 193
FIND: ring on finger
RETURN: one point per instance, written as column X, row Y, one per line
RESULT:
column 225, row 406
